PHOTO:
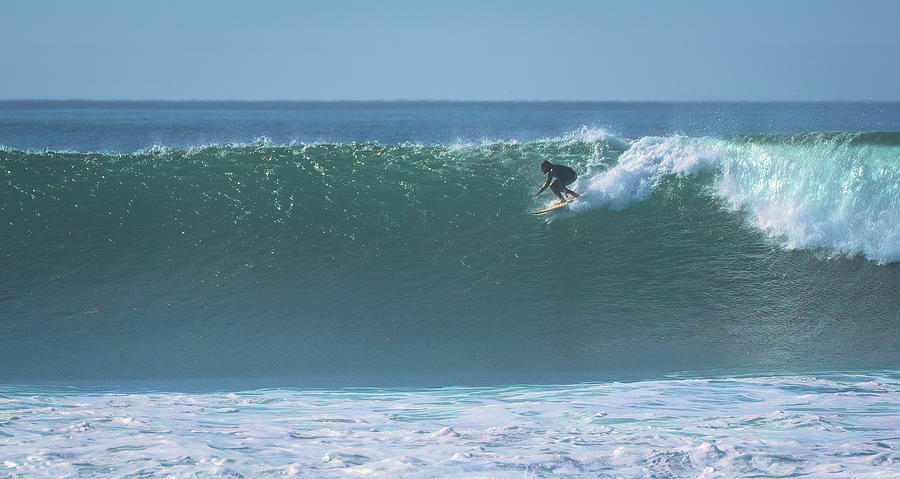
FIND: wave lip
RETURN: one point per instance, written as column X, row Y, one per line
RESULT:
column 648, row 162
column 836, row 192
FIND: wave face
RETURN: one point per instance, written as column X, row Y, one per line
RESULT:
column 340, row 261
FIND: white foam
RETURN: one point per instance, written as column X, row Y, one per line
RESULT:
column 592, row 134
column 828, row 193
column 769, row 427
column 641, row 169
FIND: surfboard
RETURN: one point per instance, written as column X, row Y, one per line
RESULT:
column 553, row 207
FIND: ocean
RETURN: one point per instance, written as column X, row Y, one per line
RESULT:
column 346, row 289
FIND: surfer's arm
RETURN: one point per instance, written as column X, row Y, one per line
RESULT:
column 549, row 179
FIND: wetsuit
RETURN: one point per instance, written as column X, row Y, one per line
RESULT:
column 563, row 174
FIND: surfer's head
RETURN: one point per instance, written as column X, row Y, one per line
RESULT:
column 545, row 166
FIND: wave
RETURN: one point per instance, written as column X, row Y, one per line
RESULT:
column 816, row 191
column 424, row 258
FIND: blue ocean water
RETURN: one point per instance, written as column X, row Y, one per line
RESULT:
column 127, row 127
column 335, row 289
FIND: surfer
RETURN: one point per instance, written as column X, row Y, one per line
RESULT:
column 558, row 178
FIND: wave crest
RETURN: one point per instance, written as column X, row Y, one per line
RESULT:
column 837, row 194
column 840, row 192
column 642, row 167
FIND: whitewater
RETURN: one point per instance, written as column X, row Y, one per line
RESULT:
column 238, row 289
column 835, row 192
column 838, row 425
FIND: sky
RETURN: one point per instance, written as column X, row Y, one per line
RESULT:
column 451, row 50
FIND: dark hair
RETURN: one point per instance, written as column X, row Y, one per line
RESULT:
column 545, row 166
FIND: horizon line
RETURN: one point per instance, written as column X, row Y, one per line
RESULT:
column 423, row 100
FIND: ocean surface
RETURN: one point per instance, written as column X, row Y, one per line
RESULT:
column 358, row 289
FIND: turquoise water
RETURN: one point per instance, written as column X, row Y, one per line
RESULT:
column 728, row 257
column 371, row 264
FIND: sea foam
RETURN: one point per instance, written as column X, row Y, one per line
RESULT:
column 831, row 194
column 826, row 192
column 726, row 427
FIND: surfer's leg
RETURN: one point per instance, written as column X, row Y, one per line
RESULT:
column 567, row 190
column 558, row 189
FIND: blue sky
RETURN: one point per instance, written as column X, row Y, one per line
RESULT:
column 459, row 50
